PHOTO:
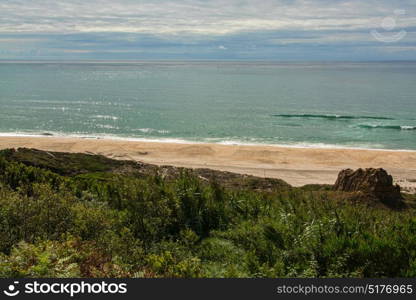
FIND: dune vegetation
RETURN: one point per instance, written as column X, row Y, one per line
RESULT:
column 79, row 215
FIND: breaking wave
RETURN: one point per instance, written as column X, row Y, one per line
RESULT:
column 392, row 127
column 330, row 116
column 151, row 130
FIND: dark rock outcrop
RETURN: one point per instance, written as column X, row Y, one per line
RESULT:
column 372, row 183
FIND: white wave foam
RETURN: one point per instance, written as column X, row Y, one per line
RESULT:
column 184, row 141
column 105, row 117
column 151, row 130
column 408, row 127
column 106, row 126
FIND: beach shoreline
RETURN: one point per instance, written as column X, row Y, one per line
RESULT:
column 296, row 165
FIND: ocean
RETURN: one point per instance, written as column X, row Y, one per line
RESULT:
column 353, row 105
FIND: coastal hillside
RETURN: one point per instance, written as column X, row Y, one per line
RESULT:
column 81, row 215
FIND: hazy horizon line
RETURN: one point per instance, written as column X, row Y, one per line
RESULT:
column 201, row 60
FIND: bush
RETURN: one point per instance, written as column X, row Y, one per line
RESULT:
column 106, row 224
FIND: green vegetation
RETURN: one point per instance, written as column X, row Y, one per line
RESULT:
column 75, row 215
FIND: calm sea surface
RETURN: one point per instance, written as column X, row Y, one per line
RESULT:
column 365, row 105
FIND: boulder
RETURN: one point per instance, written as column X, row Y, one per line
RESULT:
column 372, row 183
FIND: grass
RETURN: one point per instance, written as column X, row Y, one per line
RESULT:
column 77, row 215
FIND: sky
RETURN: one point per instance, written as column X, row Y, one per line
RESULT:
column 283, row 30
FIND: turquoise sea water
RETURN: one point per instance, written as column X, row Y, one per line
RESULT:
column 364, row 105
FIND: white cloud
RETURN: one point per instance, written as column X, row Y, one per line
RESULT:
column 260, row 29
column 217, row 17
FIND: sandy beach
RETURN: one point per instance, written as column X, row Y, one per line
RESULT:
column 297, row 166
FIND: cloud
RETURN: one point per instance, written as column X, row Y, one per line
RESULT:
column 194, row 17
column 267, row 29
